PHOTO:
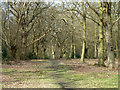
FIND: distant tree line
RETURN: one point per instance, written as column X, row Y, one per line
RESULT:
column 46, row 30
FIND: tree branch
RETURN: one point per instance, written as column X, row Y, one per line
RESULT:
column 6, row 42
column 13, row 13
column 92, row 20
column 33, row 17
column 13, row 8
column 39, row 38
column 115, row 22
column 93, row 9
column 77, row 11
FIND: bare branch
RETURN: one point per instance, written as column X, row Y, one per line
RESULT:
column 31, row 27
column 13, row 8
column 77, row 11
column 91, row 18
column 39, row 38
column 33, row 17
column 6, row 42
column 93, row 9
column 13, row 13
column 115, row 22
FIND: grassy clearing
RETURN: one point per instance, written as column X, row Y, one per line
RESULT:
column 85, row 80
column 57, row 75
column 8, row 70
column 99, row 82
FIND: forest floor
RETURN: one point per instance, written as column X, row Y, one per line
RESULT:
column 58, row 74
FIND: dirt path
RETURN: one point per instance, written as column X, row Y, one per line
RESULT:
column 57, row 74
column 59, row 70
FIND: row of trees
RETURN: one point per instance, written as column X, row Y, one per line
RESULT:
column 66, row 30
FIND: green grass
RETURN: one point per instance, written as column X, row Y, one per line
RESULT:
column 83, row 80
column 74, row 77
column 8, row 70
column 3, row 86
column 52, row 76
column 98, row 82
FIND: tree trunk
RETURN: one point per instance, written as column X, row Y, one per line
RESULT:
column 84, row 32
column 62, row 54
column 83, row 52
column 95, row 47
column 118, row 51
column 23, row 45
column 33, row 46
column 33, row 49
column 43, row 52
column 101, row 38
column 110, row 49
column 71, row 47
column 74, row 51
column 37, row 49
column 53, row 53
column 0, row 40
column 96, row 52
column 13, row 51
column 116, row 43
column 53, row 50
column 13, row 48
column 101, row 46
